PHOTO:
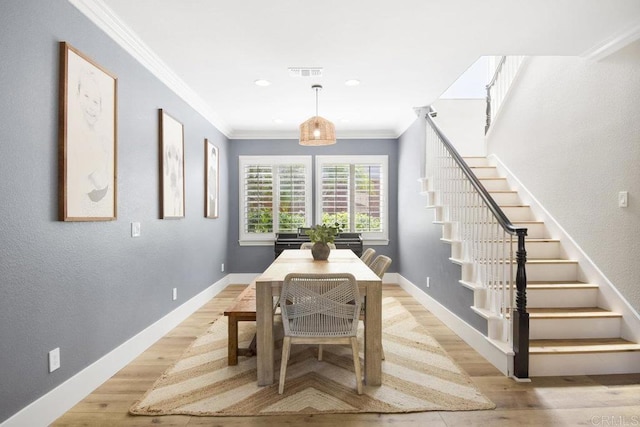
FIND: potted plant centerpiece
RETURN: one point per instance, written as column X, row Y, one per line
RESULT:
column 321, row 235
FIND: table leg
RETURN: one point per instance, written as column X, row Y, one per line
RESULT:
column 264, row 333
column 233, row 341
column 373, row 335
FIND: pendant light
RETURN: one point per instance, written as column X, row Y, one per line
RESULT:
column 317, row 130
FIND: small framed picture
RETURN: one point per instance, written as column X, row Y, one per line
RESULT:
column 171, row 167
column 212, row 182
column 87, row 139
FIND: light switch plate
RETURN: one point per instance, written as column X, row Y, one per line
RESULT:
column 623, row 199
column 54, row 359
column 135, row 229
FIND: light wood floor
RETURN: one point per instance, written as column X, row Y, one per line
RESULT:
column 602, row 401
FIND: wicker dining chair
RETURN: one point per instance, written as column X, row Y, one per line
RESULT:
column 320, row 309
column 367, row 255
column 379, row 266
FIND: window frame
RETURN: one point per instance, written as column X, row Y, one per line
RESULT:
column 267, row 239
column 370, row 238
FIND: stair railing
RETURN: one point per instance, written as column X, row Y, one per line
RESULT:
column 485, row 239
column 506, row 70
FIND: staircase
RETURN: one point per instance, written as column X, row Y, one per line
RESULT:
column 571, row 332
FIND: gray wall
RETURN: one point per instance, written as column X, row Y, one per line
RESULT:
column 253, row 259
column 421, row 254
column 88, row 287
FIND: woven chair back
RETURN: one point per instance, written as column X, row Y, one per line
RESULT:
column 320, row 305
column 367, row 255
column 380, row 265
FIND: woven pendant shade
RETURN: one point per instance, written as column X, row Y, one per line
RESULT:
column 317, row 130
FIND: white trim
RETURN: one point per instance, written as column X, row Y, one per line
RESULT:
column 502, row 360
column 611, row 45
column 55, row 403
column 105, row 19
column 608, row 296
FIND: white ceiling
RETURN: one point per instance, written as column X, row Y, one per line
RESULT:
column 406, row 53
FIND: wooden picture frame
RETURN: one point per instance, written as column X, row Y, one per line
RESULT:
column 87, row 139
column 171, row 167
column 212, row 180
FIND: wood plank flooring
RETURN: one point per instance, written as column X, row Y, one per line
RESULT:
column 610, row 400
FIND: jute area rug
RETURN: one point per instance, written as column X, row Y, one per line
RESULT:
column 417, row 375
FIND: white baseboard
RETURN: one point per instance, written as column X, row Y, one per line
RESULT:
column 55, row 403
column 480, row 343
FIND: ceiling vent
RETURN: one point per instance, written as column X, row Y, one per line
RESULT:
column 305, row 71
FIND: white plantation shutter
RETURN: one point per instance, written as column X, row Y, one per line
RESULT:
column 258, row 185
column 368, row 200
column 353, row 191
column 275, row 196
column 335, row 189
column 292, row 195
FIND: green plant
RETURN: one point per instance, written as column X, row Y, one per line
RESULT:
column 324, row 233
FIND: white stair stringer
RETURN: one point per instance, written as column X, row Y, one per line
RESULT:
column 579, row 323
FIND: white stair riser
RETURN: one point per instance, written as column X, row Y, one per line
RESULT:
column 541, row 365
column 518, row 213
column 477, row 161
column 552, row 272
column 535, row 272
column 485, row 172
column 495, row 184
column 574, row 328
column 542, row 250
column 506, row 198
column 539, row 298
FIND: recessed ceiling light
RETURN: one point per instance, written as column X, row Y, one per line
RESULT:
column 262, row 82
column 352, row 82
column 278, row 121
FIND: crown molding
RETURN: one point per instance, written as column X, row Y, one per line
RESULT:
column 105, row 19
column 612, row 44
column 344, row 134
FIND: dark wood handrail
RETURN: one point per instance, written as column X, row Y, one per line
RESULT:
column 520, row 315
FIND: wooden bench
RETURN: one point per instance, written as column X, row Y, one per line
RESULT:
column 243, row 310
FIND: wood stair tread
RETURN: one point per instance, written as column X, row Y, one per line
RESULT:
column 571, row 313
column 593, row 345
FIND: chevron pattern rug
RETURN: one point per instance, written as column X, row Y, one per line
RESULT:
column 417, row 375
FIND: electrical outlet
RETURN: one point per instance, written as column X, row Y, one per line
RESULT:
column 623, row 199
column 175, row 294
column 54, row 359
column 222, row 267
column 428, row 281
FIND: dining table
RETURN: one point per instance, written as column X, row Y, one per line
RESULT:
column 269, row 284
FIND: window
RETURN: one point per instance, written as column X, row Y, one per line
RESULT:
column 352, row 190
column 273, row 184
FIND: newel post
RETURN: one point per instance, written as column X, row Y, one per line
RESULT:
column 520, row 316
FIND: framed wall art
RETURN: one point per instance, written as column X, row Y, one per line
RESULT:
column 87, row 139
column 212, row 179
column 171, row 167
